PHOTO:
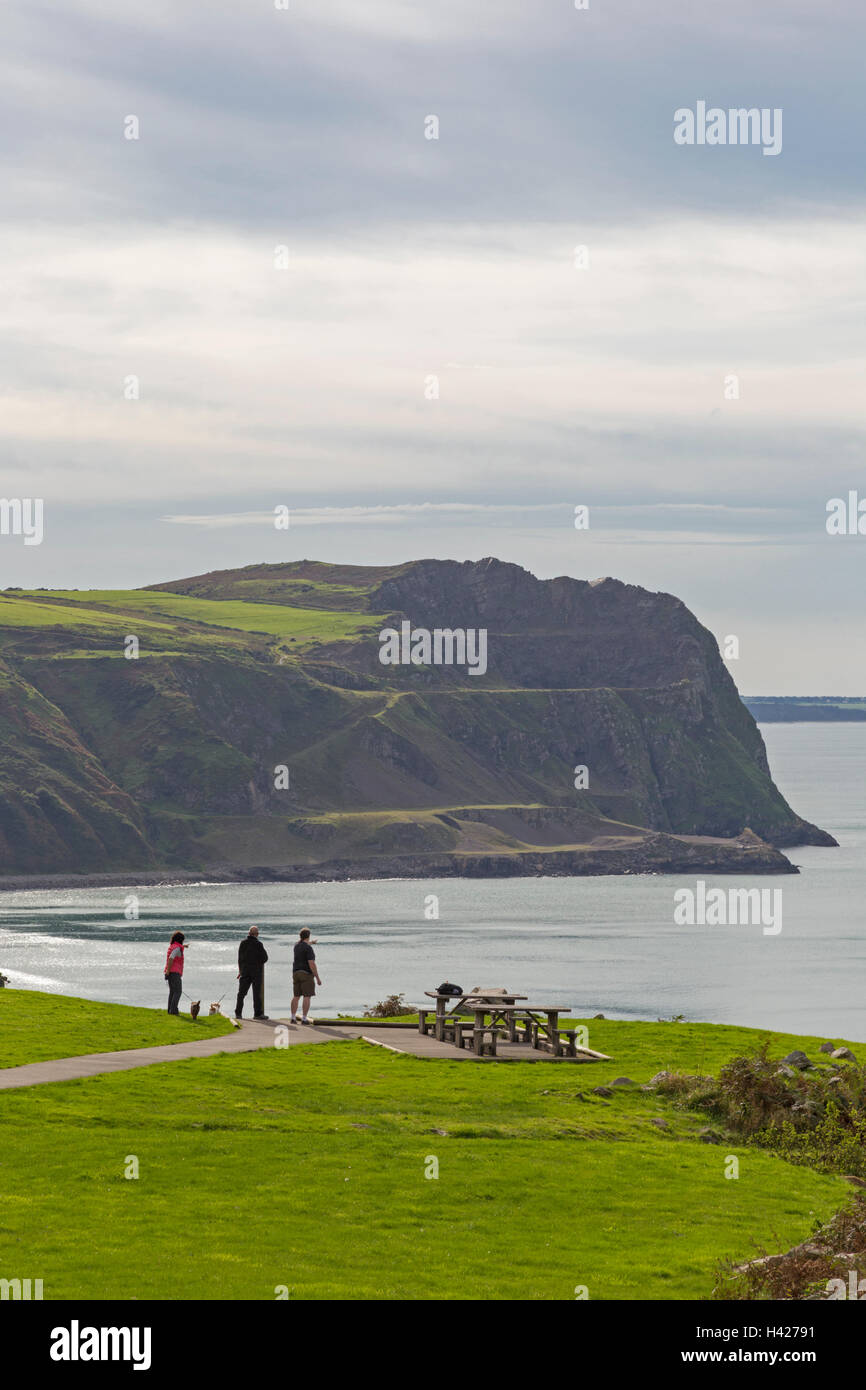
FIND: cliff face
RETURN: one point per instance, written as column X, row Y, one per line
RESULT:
column 58, row 808
column 171, row 759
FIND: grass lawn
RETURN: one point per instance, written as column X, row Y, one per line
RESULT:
column 115, row 606
column 36, row 1027
column 305, row 1167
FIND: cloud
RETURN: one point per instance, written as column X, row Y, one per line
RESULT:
column 310, row 380
column 452, row 259
column 313, row 118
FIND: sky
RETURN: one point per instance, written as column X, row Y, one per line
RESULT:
column 281, row 292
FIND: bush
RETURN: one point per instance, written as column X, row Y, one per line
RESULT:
column 751, row 1094
column 392, row 1007
column 836, row 1144
column 815, row 1118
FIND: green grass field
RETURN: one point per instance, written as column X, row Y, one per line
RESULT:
column 305, row 1167
column 38, row 611
column 37, row 1027
column 112, row 607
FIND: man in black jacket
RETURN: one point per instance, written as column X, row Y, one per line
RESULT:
column 251, row 970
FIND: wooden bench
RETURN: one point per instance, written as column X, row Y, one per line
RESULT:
column 483, row 1040
column 529, row 1034
column 450, row 1026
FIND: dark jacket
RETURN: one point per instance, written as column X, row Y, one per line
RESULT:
column 251, row 956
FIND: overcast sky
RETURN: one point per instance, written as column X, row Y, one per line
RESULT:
column 309, row 384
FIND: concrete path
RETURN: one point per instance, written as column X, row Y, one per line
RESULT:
column 247, row 1038
column 251, row 1036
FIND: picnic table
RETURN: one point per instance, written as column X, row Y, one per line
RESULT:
column 458, row 1001
column 540, row 1022
column 535, row 1024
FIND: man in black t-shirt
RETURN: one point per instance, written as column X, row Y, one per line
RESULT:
column 304, row 974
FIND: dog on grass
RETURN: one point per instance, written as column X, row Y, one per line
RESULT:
column 194, row 1009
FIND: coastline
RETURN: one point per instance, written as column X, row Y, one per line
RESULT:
column 657, row 854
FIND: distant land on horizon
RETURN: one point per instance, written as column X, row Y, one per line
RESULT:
column 256, row 735
column 818, row 709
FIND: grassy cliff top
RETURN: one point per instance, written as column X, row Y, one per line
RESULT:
column 541, row 1186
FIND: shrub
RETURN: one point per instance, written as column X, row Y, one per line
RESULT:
column 836, row 1143
column 816, row 1118
column 392, row 1007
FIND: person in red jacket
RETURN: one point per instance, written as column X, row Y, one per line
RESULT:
column 174, row 970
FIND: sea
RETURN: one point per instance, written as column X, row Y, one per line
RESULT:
column 589, row 945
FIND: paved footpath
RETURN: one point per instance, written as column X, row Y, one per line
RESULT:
column 251, row 1036
column 247, row 1038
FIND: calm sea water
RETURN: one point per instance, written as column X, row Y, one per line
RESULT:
column 605, row 945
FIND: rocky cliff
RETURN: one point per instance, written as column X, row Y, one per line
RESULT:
column 173, row 759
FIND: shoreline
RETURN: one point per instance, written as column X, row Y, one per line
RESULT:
column 657, row 855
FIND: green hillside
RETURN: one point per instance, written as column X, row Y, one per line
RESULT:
column 172, row 758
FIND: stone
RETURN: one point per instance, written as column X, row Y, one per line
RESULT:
column 785, row 1071
column 797, row 1059
column 623, row 1081
column 602, row 1091
column 709, row 1136
column 827, row 1047
column 846, row 1053
column 660, row 1076
column 598, row 1015
column 660, row 1124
